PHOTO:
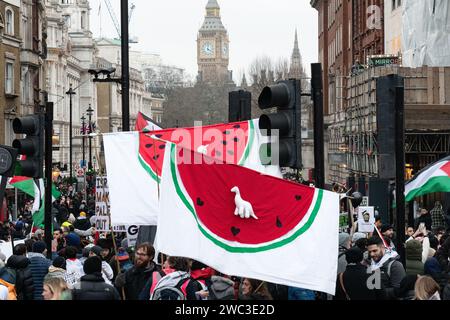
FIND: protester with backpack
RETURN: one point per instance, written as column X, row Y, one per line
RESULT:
column 385, row 262
column 179, row 284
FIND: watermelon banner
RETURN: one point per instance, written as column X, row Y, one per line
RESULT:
column 433, row 178
column 134, row 163
column 293, row 241
column 144, row 123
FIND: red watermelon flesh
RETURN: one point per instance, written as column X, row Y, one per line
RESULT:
column 279, row 205
column 226, row 142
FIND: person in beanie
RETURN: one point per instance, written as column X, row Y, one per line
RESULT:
column 388, row 234
column 39, row 265
column 352, row 283
column 414, row 264
column 135, row 279
column 107, row 272
column 92, row 286
column 21, row 265
column 57, row 269
column 344, row 245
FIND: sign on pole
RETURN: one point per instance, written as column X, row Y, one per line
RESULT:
column 366, row 219
column 102, row 204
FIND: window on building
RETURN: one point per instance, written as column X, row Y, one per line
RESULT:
column 9, row 132
column 67, row 20
column 9, row 22
column 9, row 78
column 83, row 20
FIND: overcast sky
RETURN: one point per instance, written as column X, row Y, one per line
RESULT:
column 255, row 28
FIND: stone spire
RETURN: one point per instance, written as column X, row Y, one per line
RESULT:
column 296, row 68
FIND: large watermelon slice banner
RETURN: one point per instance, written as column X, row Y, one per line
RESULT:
column 285, row 210
column 226, row 143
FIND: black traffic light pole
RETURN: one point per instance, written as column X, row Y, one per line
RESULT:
column 319, row 154
column 48, row 177
column 90, row 138
column 400, row 165
column 125, row 66
column 70, row 92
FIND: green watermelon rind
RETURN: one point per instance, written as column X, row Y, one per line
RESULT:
column 148, row 169
column 244, row 157
column 235, row 249
column 251, row 133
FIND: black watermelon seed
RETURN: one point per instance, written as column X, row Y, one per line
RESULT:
column 155, row 157
column 237, row 126
column 236, row 139
column 279, row 224
column 235, row 231
column 158, row 135
column 200, row 202
column 298, row 198
column 230, row 152
column 162, row 146
column 224, row 142
column 149, row 145
column 226, row 132
column 218, row 153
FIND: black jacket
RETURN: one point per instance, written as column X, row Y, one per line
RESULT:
column 93, row 287
column 425, row 219
column 24, row 278
column 134, row 280
column 355, row 283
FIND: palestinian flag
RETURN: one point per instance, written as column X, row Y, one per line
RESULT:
column 433, row 178
column 145, row 124
column 292, row 242
column 30, row 187
column 134, row 163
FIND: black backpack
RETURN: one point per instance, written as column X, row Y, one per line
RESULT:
column 172, row 293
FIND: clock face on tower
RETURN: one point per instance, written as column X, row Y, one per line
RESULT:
column 208, row 48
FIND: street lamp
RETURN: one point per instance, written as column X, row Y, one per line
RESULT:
column 70, row 93
column 83, row 132
column 90, row 112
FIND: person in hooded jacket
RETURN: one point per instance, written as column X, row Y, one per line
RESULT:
column 39, row 268
column 24, row 279
column 92, row 286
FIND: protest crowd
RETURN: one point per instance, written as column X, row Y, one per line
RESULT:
column 86, row 266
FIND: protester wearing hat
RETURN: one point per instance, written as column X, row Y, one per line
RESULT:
column 21, row 265
column 39, row 265
column 92, row 286
column 387, row 231
column 107, row 271
column 82, row 223
column 57, row 269
column 344, row 245
column 352, row 283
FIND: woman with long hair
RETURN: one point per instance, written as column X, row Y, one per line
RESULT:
column 426, row 289
column 252, row 289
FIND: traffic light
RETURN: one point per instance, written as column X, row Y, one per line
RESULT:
column 285, row 95
column 239, row 106
column 32, row 146
column 8, row 157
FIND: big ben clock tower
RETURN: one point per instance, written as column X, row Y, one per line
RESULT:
column 212, row 47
